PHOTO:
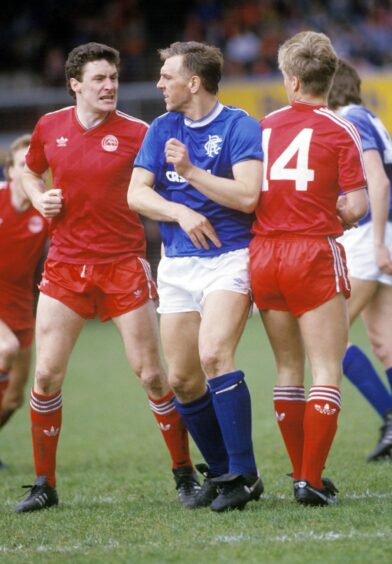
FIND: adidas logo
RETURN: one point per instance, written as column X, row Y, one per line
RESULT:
column 52, row 432
column 62, row 141
column 165, row 427
column 326, row 409
column 137, row 293
column 280, row 416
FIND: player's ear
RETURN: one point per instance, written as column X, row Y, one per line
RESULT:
column 74, row 84
column 194, row 84
column 295, row 83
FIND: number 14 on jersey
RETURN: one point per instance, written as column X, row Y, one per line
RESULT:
column 301, row 175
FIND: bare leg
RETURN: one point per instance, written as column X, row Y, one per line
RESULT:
column 14, row 394
column 289, row 398
column 139, row 331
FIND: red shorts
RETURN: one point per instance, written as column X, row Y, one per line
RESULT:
column 297, row 273
column 107, row 290
column 19, row 319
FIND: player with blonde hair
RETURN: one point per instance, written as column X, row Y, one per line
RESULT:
column 298, row 271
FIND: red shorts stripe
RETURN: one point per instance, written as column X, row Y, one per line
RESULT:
column 297, row 273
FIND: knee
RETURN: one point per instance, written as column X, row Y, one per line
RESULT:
column 214, row 360
column 13, row 401
column 382, row 352
column 153, row 381
column 189, row 387
column 47, row 382
column 9, row 349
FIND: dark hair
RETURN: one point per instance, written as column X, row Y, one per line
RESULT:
column 21, row 142
column 200, row 59
column 87, row 53
column 346, row 86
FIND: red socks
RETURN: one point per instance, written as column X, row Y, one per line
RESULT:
column 289, row 402
column 308, row 429
column 320, row 425
column 45, row 413
column 173, row 429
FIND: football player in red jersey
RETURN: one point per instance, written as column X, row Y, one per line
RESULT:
column 298, row 270
column 96, row 262
column 23, row 236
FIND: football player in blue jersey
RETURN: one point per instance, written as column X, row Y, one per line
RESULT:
column 369, row 254
column 198, row 173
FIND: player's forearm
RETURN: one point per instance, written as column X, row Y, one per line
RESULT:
column 241, row 195
column 354, row 206
column 33, row 185
column 379, row 196
column 145, row 201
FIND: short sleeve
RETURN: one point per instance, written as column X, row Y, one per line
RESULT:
column 351, row 168
column 246, row 140
column 36, row 158
column 151, row 149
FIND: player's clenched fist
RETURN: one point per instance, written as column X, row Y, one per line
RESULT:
column 49, row 203
column 176, row 153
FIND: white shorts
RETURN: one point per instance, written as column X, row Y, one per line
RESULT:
column 184, row 282
column 361, row 258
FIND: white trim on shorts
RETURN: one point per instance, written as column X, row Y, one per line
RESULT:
column 361, row 258
column 185, row 282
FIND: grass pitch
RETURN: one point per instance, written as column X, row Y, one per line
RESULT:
column 117, row 497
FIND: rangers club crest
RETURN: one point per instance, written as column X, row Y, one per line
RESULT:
column 109, row 143
column 212, row 146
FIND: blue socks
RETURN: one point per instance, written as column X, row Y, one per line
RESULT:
column 200, row 419
column 232, row 405
column 360, row 371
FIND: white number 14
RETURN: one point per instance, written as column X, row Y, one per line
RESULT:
column 301, row 175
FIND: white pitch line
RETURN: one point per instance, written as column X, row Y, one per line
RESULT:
column 257, row 538
column 302, row 537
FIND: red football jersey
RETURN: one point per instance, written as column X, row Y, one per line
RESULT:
column 92, row 168
column 22, row 240
column 310, row 157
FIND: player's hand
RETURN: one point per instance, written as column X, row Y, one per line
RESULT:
column 177, row 154
column 49, row 203
column 340, row 209
column 198, row 228
column 383, row 259
column 346, row 225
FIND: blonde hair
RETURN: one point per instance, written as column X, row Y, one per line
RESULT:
column 21, row 142
column 310, row 57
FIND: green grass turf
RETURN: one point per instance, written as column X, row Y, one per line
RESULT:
column 117, row 497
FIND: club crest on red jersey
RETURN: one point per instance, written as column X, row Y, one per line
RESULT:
column 36, row 224
column 109, row 143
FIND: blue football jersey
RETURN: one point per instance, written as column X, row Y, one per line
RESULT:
column 374, row 136
column 226, row 136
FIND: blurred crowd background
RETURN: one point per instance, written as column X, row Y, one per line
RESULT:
column 37, row 34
